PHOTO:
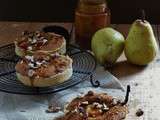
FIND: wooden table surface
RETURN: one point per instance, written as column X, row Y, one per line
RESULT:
column 144, row 81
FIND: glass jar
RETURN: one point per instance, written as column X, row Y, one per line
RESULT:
column 90, row 16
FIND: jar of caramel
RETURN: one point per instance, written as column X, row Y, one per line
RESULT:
column 90, row 16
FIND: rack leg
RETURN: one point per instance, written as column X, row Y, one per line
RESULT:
column 95, row 83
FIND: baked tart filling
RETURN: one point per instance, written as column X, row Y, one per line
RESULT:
column 43, row 69
column 94, row 106
column 43, row 65
column 34, row 41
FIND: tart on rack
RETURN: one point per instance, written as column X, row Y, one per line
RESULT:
column 30, row 42
column 43, row 69
column 94, row 106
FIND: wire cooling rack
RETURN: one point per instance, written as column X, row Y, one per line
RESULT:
column 84, row 65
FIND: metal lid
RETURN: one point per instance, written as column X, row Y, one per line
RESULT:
column 92, row 6
column 94, row 2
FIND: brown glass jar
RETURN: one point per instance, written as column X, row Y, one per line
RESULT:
column 90, row 16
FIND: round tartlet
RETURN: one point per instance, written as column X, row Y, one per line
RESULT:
column 30, row 42
column 43, row 69
column 94, row 106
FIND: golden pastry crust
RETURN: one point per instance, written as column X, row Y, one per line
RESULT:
column 95, row 106
column 31, row 42
column 43, row 69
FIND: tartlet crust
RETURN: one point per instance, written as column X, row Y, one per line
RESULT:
column 45, row 82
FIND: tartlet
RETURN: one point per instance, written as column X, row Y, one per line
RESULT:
column 30, row 42
column 43, row 69
column 94, row 106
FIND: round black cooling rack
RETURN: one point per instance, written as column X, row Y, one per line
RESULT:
column 84, row 65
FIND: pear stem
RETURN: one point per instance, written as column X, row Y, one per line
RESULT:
column 127, row 95
column 143, row 15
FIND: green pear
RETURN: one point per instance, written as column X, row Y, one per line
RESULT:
column 107, row 45
column 141, row 46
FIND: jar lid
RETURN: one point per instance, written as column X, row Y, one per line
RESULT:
column 93, row 1
column 92, row 6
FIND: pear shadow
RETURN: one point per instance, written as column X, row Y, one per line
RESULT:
column 124, row 69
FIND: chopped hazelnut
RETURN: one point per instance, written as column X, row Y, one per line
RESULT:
column 33, row 41
column 30, row 58
column 115, row 101
column 29, row 48
column 52, row 109
column 97, row 105
column 85, row 103
column 21, row 62
column 44, row 41
column 105, row 107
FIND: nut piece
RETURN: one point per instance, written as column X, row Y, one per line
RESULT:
column 52, row 109
column 97, row 105
column 105, row 107
column 30, row 48
column 85, row 103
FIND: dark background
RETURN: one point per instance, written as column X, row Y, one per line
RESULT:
column 123, row 11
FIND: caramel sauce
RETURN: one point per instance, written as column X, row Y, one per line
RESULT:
column 90, row 16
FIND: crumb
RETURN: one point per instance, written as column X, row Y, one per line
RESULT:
column 139, row 112
column 52, row 109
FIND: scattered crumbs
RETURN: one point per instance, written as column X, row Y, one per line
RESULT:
column 139, row 112
column 52, row 109
column 65, row 107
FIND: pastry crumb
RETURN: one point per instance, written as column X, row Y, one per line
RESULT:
column 52, row 109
